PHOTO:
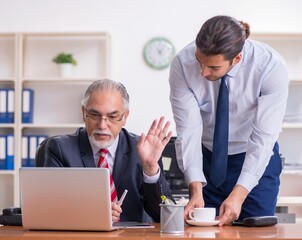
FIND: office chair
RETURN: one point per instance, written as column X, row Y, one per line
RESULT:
column 40, row 153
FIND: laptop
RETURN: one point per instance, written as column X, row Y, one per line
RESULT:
column 66, row 199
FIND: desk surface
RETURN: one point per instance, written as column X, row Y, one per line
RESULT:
column 280, row 231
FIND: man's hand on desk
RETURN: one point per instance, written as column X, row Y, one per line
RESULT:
column 229, row 210
column 196, row 199
column 231, row 207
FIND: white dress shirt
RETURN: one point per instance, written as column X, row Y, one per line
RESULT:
column 258, row 90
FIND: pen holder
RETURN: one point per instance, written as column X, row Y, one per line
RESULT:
column 171, row 219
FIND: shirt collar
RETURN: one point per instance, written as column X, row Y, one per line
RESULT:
column 233, row 72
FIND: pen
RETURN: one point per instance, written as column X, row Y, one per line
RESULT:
column 120, row 202
column 167, row 201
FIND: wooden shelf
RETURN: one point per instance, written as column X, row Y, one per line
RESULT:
column 26, row 62
column 289, row 201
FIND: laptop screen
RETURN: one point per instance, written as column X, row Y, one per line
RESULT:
column 65, row 198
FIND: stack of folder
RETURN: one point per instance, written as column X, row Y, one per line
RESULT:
column 29, row 147
column 7, row 152
column 7, row 105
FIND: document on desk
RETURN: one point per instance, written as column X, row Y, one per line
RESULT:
column 133, row 225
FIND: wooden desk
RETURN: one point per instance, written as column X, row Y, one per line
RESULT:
column 280, row 231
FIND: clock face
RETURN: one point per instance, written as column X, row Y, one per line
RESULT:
column 158, row 53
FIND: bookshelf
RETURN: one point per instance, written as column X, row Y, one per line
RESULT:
column 8, row 79
column 26, row 62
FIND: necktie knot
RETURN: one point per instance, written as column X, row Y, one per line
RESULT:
column 103, row 151
column 102, row 162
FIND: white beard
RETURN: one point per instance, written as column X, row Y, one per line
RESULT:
column 101, row 144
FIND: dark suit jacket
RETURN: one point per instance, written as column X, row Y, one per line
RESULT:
column 74, row 150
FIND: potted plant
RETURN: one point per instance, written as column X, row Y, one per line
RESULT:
column 65, row 62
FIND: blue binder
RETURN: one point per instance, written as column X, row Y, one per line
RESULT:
column 9, row 163
column 24, row 153
column 32, row 147
column 10, row 105
column 2, row 151
column 3, row 106
column 41, row 138
column 27, row 105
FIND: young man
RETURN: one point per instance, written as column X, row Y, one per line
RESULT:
column 134, row 162
column 250, row 108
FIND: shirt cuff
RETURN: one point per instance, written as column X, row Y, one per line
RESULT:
column 194, row 175
column 151, row 179
column 248, row 181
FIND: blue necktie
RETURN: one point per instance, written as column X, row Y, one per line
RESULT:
column 221, row 134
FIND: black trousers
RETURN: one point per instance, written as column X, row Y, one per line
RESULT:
column 261, row 201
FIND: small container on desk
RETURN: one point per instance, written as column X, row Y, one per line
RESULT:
column 172, row 219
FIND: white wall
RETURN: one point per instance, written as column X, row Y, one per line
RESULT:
column 132, row 23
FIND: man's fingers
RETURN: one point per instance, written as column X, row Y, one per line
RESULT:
column 227, row 217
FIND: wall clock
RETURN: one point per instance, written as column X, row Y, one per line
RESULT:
column 158, row 53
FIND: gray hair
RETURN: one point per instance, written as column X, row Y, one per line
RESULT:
column 107, row 84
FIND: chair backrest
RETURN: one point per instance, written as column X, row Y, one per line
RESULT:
column 170, row 152
column 40, row 154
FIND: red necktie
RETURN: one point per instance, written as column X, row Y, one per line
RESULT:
column 104, row 164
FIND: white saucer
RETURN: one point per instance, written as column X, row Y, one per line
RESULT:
column 203, row 224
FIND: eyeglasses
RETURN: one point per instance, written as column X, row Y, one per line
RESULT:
column 113, row 118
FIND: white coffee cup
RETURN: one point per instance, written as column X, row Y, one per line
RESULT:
column 202, row 214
